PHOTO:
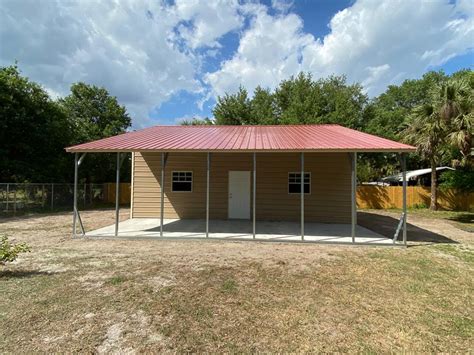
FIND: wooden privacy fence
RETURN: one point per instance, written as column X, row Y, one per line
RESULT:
column 377, row 197
column 124, row 193
column 381, row 197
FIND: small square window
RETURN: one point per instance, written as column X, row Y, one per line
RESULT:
column 182, row 181
column 294, row 183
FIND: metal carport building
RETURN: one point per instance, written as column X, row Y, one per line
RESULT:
column 302, row 175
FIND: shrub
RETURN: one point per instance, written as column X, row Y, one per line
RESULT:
column 462, row 180
column 9, row 252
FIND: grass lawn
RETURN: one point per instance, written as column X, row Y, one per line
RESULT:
column 221, row 296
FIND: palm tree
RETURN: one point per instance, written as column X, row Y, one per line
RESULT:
column 456, row 102
column 427, row 132
column 446, row 119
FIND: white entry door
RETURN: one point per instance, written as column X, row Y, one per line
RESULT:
column 239, row 194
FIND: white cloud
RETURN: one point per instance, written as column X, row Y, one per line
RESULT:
column 146, row 51
column 210, row 20
column 282, row 6
column 268, row 51
column 374, row 42
column 129, row 46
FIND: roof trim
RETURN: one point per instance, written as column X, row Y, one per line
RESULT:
column 241, row 150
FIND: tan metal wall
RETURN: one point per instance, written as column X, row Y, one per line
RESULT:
column 330, row 185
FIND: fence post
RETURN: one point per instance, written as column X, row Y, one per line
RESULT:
column 25, row 196
column 43, row 197
column 85, row 186
column 52, row 197
column 14, row 202
column 8, row 194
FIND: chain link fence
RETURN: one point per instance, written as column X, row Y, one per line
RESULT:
column 29, row 197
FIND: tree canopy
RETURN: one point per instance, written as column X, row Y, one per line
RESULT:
column 35, row 129
column 94, row 113
column 298, row 100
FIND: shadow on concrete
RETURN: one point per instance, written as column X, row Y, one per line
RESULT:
column 386, row 226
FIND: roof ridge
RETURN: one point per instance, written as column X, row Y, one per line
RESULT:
column 247, row 125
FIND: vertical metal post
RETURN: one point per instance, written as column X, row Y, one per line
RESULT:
column 117, row 196
column 207, row 192
column 14, row 202
column 254, row 195
column 162, row 192
column 85, row 188
column 52, row 197
column 302, row 196
column 8, row 194
column 353, row 195
column 74, row 218
column 404, row 174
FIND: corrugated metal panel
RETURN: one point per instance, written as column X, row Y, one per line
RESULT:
column 243, row 138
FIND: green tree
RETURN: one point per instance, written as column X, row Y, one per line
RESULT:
column 298, row 100
column 455, row 102
column 389, row 111
column 95, row 114
column 233, row 109
column 427, row 132
column 262, row 108
column 33, row 131
column 341, row 103
column 197, row 122
column 387, row 115
column 444, row 119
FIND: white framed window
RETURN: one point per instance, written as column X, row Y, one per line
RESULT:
column 182, row 181
column 294, row 183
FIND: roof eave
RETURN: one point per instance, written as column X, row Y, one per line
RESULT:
column 354, row 150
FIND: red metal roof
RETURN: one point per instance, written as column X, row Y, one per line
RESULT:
column 243, row 138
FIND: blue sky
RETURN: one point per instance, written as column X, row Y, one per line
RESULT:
column 169, row 60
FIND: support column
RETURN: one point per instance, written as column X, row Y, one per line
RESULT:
column 404, row 174
column 207, row 192
column 162, row 187
column 117, row 196
column 254, row 195
column 302, row 196
column 353, row 195
column 74, row 208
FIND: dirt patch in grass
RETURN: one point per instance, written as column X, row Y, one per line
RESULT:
column 213, row 296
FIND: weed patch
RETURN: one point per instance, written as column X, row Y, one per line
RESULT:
column 116, row 280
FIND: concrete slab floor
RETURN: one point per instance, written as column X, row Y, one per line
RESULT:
column 148, row 228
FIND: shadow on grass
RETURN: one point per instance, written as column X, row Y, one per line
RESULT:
column 386, row 226
column 463, row 218
column 19, row 274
